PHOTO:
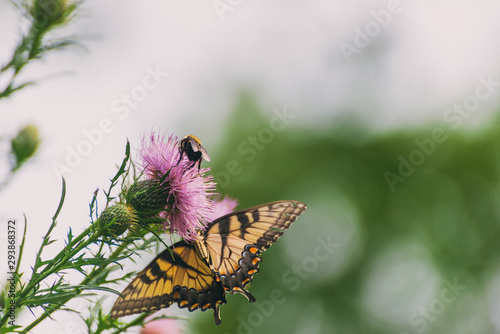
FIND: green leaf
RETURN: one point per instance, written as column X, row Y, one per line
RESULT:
column 61, row 202
column 98, row 288
column 10, row 329
column 54, row 298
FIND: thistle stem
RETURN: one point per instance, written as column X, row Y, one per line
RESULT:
column 94, row 273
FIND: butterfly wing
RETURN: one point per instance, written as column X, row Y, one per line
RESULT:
column 234, row 242
column 177, row 275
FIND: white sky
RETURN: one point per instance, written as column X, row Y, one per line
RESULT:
column 287, row 53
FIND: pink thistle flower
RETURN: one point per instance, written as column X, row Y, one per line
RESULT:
column 162, row 326
column 159, row 154
column 223, row 207
column 189, row 206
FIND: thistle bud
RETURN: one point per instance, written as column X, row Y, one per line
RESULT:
column 148, row 197
column 124, row 216
column 25, row 144
column 47, row 13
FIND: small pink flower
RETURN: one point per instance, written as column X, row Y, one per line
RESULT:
column 162, row 326
column 190, row 206
column 223, row 207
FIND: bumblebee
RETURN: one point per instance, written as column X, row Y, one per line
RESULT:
column 194, row 151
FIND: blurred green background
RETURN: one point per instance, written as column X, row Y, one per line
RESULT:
column 401, row 226
column 419, row 254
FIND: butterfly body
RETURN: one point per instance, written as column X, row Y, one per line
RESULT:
column 224, row 258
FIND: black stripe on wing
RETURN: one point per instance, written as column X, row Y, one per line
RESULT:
column 235, row 241
column 178, row 275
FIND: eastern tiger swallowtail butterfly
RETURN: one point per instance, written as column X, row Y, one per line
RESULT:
column 224, row 257
column 195, row 152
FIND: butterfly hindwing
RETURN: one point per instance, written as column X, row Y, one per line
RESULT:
column 178, row 275
column 233, row 243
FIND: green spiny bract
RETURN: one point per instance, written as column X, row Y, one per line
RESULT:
column 123, row 216
column 148, row 197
